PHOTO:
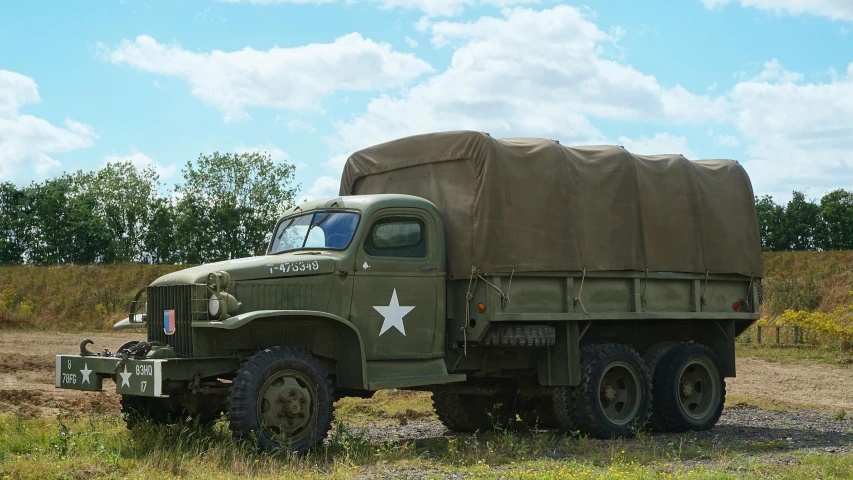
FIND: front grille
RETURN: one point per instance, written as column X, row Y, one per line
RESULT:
column 172, row 297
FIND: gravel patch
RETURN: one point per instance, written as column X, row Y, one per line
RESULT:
column 741, row 428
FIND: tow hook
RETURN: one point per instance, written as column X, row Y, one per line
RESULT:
column 83, row 351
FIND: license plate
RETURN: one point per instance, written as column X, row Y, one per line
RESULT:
column 77, row 373
column 140, row 377
column 134, row 377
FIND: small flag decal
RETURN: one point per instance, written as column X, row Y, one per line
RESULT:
column 169, row 322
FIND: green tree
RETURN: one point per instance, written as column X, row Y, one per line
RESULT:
column 159, row 236
column 64, row 226
column 13, row 224
column 229, row 202
column 802, row 225
column 126, row 197
column 46, row 205
column 87, row 235
column 194, row 231
column 771, row 218
column 836, row 209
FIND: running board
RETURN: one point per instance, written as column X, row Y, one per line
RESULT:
column 383, row 384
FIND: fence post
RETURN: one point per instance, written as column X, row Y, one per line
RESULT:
column 777, row 334
column 759, row 334
column 796, row 335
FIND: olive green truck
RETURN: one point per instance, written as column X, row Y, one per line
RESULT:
column 580, row 288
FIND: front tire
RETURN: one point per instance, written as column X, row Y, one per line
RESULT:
column 614, row 395
column 283, row 397
column 690, row 388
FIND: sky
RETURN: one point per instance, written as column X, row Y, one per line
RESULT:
column 768, row 83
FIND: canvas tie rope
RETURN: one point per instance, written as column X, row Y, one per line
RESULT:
column 504, row 296
column 704, row 290
column 468, row 297
column 749, row 294
column 643, row 296
column 580, row 292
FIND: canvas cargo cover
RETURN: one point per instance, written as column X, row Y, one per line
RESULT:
column 536, row 205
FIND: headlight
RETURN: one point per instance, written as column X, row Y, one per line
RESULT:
column 214, row 306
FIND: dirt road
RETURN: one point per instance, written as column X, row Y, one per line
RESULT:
column 27, row 373
column 27, row 362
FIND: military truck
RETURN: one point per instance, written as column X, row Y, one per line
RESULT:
column 574, row 288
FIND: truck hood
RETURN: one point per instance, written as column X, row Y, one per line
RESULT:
column 256, row 268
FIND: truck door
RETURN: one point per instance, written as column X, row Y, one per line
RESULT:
column 394, row 292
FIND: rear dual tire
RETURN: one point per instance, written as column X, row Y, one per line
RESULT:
column 613, row 398
column 689, row 389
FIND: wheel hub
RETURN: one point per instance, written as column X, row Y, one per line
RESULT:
column 618, row 393
column 285, row 404
column 609, row 392
column 292, row 404
column 699, row 390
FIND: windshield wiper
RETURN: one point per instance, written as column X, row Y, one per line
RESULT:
column 317, row 224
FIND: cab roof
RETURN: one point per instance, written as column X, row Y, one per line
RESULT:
column 365, row 203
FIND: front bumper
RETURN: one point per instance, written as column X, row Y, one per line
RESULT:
column 141, row 377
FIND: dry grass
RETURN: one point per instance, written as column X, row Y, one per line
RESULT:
column 71, row 297
column 99, row 446
column 94, row 297
column 809, row 281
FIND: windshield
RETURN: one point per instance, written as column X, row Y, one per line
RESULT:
column 330, row 230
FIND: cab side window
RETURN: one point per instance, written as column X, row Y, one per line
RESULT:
column 397, row 237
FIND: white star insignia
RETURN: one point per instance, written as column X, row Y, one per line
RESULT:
column 85, row 371
column 393, row 314
column 125, row 377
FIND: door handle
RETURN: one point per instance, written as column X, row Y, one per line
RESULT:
column 430, row 267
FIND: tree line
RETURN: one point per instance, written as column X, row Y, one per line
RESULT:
column 804, row 224
column 224, row 207
column 226, row 204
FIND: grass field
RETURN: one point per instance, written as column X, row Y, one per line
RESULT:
column 816, row 354
column 98, row 446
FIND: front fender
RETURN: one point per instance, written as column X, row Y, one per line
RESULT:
column 350, row 359
column 126, row 323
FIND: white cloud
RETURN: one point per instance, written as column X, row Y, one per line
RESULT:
column 833, row 9
column 26, row 141
column 423, row 24
column 273, row 2
column 411, row 42
column 661, row 143
column 275, row 153
column 428, row 7
column 300, row 126
column 797, row 133
column 140, row 160
column 726, row 141
column 295, row 78
column 323, row 187
column 540, row 73
column 435, row 8
column 773, row 72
